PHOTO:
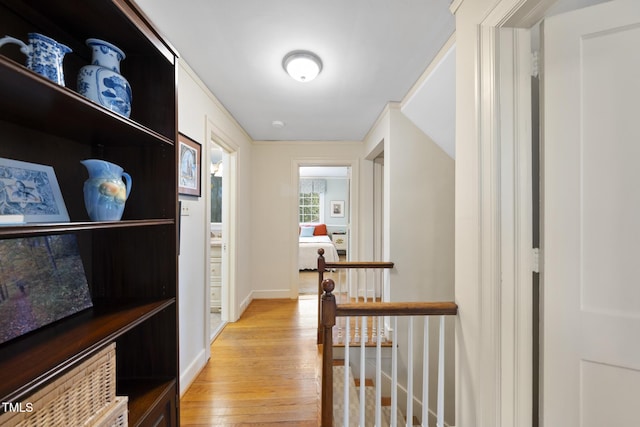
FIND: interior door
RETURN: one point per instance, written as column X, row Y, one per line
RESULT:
column 591, row 230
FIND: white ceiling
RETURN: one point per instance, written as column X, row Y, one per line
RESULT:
column 373, row 52
column 432, row 107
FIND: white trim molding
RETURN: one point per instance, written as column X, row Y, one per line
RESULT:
column 354, row 196
column 516, row 232
column 493, row 212
column 230, row 310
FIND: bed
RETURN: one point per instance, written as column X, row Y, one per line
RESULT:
column 309, row 241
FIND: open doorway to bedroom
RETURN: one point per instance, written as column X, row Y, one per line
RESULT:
column 324, row 219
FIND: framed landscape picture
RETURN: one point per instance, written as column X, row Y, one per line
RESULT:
column 189, row 164
column 42, row 280
column 30, row 190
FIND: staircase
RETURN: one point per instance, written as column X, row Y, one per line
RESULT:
column 353, row 388
column 353, row 317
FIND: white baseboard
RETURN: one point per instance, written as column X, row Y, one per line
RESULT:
column 189, row 375
column 245, row 303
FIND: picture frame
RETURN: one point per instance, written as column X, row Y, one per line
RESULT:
column 44, row 274
column 189, row 166
column 30, row 191
column 337, row 208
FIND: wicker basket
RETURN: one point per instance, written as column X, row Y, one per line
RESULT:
column 74, row 398
column 116, row 416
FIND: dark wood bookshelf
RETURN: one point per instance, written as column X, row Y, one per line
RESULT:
column 39, row 229
column 31, row 100
column 146, row 397
column 131, row 265
column 53, row 348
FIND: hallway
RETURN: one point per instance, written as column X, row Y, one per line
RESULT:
column 264, row 370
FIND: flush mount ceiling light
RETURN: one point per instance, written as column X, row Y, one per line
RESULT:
column 302, row 65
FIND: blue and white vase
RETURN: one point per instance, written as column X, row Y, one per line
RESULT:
column 102, row 82
column 44, row 55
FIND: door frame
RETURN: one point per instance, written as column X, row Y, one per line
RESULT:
column 354, row 212
column 229, row 267
column 494, row 363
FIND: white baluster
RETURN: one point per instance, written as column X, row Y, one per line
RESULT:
column 378, row 419
column 409, row 413
column 382, row 334
column 365, row 325
column 440, row 421
column 394, row 375
column 425, row 375
column 347, row 285
column 347, row 367
column 365, row 332
column 374, row 332
column 362, row 375
column 368, row 273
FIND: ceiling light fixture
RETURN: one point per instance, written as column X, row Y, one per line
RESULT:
column 302, row 65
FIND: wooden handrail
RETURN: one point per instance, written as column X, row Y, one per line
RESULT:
column 397, row 308
column 329, row 310
column 323, row 266
column 358, row 264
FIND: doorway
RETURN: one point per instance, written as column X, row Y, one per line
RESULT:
column 324, row 220
column 217, row 156
column 221, row 202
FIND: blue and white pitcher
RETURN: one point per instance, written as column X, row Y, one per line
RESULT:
column 44, row 55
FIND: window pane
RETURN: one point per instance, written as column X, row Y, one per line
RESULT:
column 309, row 207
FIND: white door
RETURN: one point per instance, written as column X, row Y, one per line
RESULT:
column 591, row 230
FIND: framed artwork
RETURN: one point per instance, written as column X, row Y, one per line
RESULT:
column 42, row 280
column 337, row 208
column 30, row 190
column 189, row 164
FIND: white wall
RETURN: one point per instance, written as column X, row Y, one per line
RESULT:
column 337, row 189
column 196, row 107
column 419, row 201
column 274, row 203
column 421, row 208
column 419, row 226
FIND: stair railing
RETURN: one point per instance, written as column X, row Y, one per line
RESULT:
column 330, row 310
column 357, row 281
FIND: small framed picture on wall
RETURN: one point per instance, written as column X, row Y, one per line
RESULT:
column 337, row 208
column 189, row 163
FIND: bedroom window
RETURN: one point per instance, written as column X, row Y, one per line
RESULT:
column 309, row 207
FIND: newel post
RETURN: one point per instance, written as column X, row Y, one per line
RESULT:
column 328, row 317
column 321, row 268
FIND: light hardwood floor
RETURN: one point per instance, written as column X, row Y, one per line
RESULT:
column 264, row 370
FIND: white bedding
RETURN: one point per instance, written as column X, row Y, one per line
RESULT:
column 308, row 251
